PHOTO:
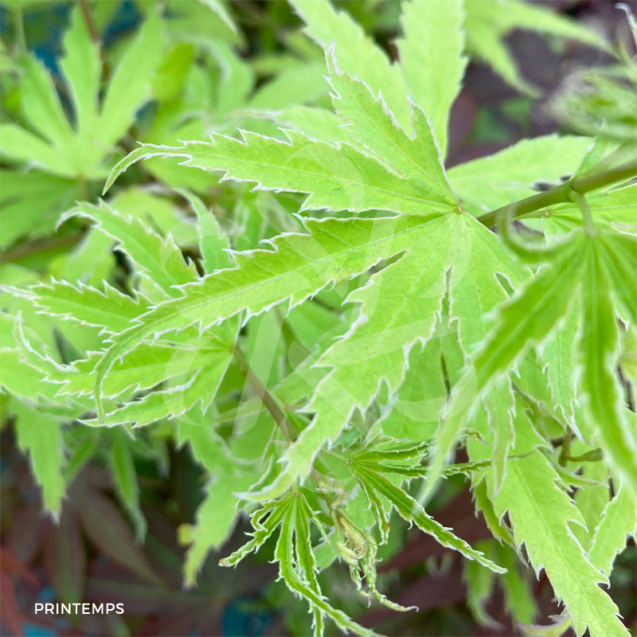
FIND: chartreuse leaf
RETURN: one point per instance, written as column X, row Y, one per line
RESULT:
column 376, row 347
column 374, row 126
column 413, row 411
column 82, row 70
column 212, row 242
column 301, row 265
column 598, row 349
column 123, row 471
column 618, row 521
column 357, row 53
column 369, row 472
column 528, row 318
column 314, row 122
column 591, row 499
column 40, row 434
column 335, row 177
column 199, row 388
column 79, row 151
column 519, row 598
column 558, row 354
column 214, row 521
column 130, row 85
column 541, row 514
column 142, row 369
column 159, row 261
column 286, row 554
column 219, row 8
column 431, row 58
column 110, row 310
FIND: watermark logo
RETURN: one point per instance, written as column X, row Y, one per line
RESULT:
column 79, row 608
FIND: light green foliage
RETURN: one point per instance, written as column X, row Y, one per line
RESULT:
column 324, row 343
column 59, row 148
column 431, row 57
column 40, row 435
column 541, row 514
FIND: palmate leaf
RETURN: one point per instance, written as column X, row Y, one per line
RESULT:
column 541, row 514
column 111, row 310
column 431, row 58
column 618, row 521
column 159, row 261
column 358, row 54
column 509, row 175
column 578, row 268
column 377, row 345
column 376, row 348
column 59, row 148
column 372, row 125
column 370, row 474
column 294, row 555
column 337, row 177
column 300, row 266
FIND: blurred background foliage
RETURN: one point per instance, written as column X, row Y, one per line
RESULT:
column 126, row 506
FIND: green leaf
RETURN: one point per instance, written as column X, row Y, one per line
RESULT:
column 285, row 555
column 336, row 177
column 212, row 242
column 557, row 353
column 541, row 513
column 215, row 519
column 130, row 86
column 413, row 411
column 31, row 203
column 618, row 521
column 159, row 261
column 110, row 310
column 597, row 352
column 200, row 388
column 314, row 122
column 374, row 126
column 411, row 511
column 79, row 151
column 376, row 347
column 527, row 319
column 123, row 471
column 611, row 208
column 219, row 8
column 357, row 53
column 480, row 583
column 82, row 70
column 431, row 58
column 519, row 596
column 488, row 22
column 40, row 434
column 300, row 266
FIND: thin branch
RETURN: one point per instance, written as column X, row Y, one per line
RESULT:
column 560, row 194
column 272, row 405
column 266, row 397
column 34, row 247
column 90, row 22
